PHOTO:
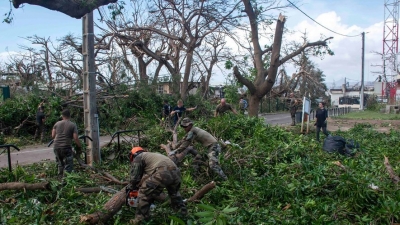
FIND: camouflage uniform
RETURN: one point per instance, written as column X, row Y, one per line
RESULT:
column 162, row 173
column 293, row 109
column 207, row 140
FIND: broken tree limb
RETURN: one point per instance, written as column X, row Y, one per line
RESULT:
column 391, row 172
column 178, row 157
column 204, row 190
column 105, row 174
column 109, row 209
column 26, row 186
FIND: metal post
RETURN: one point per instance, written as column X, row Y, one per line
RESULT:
column 9, row 158
column 362, row 73
column 89, row 89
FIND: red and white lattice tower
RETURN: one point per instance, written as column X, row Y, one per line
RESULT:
column 390, row 42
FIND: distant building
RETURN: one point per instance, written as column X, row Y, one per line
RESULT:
column 164, row 86
column 352, row 96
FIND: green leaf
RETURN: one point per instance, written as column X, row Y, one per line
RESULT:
column 229, row 210
column 220, row 221
column 176, row 219
column 204, row 214
column 207, row 207
column 206, row 219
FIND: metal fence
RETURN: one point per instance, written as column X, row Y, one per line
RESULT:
column 333, row 112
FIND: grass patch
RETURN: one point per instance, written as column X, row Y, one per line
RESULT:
column 370, row 115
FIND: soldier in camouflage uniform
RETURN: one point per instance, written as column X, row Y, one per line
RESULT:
column 63, row 132
column 206, row 139
column 293, row 108
column 161, row 173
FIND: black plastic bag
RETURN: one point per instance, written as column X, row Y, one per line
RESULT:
column 334, row 144
column 338, row 144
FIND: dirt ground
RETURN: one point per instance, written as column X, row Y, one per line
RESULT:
column 379, row 125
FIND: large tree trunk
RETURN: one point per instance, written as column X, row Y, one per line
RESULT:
column 75, row 9
column 188, row 67
column 254, row 102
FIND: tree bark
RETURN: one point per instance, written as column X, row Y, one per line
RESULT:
column 109, row 209
column 391, row 172
column 75, row 9
column 26, row 186
column 204, row 190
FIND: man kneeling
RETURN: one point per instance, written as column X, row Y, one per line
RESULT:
column 162, row 173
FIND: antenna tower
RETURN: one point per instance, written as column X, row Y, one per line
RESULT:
column 390, row 39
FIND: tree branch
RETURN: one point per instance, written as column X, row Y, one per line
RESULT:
column 302, row 48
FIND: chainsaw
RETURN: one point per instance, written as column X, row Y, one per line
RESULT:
column 131, row 198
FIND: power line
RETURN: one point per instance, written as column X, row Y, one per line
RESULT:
column 321, row 24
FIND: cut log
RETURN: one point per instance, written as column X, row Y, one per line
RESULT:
column 26, row 186
column 204, row 190
column 109, row 209
column 391, row 172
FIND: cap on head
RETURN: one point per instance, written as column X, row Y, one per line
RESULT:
column 135, row 152
column 186, row 122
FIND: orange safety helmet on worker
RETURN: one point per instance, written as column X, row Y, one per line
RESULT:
column 135, row 152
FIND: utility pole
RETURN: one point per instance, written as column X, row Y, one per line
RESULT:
column 362, row 72
column 89, row 90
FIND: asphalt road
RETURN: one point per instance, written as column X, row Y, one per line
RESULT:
column 277, row 119
column 35, row 153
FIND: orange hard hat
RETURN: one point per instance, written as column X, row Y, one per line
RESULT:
column 134, row 152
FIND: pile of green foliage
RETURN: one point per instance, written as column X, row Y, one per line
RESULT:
column 275, row 177
column 124, row 110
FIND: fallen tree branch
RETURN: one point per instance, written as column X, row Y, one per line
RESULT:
column 204, row 190
column 24, row 186
column 391, row 172
column 105, row 174
column 89, row 190
column 109, row 209
column 178, row 157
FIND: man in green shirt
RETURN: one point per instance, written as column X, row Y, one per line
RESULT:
column 223, row 107
column 63, row 133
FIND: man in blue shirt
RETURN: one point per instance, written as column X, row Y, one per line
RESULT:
column 177, row 112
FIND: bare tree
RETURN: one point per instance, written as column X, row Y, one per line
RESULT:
column 208, row 55
column 266, row 75
column 183, row 25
